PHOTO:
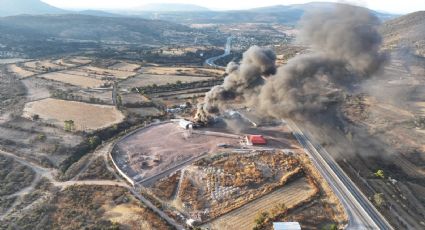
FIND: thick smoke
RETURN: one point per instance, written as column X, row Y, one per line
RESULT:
column 345, row 50
column 243, row 79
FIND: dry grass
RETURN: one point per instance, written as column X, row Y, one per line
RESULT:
column 97, row 207
column 40, row 64
column 76, row 80
column 124, row 66
column 109, row 72
column 20, row 72
column 244, row 217
column 133, row 216
column 85, row 116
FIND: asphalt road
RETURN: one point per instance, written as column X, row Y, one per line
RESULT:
column 228, row 48
column 361, row 213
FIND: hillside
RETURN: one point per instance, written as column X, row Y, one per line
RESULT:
column 17, row 7
column 88, row 27
column 406, row 32
column 37, row 35
column 288, row 14
column 172, row 7
column 311, row 7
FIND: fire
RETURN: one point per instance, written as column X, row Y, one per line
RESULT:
column 201, row 116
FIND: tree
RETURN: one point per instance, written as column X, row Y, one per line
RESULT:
column 119, row 100
column 379, row 199
column 69, row 125
column 261, row 218
column 380, row 174
column 41, row 137
column 330, row 227
column 35, row 117
column 94, row 141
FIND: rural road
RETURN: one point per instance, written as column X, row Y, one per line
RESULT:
column 227, row 50
column 150, row 180
column 361, row 213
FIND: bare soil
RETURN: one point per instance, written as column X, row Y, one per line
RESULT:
column 56, row 111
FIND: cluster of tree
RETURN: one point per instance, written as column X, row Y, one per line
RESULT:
column 13, row 176
column 67, row 95
column 178, row 86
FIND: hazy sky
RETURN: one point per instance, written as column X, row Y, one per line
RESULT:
column 392, row 6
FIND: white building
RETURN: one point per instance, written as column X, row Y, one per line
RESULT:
column 185, row 124
column 286, row 226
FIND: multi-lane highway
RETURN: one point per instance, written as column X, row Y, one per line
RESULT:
column 361, row 213
column 227, row 50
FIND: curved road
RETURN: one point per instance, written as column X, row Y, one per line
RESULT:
column 361, row 213
column 227, row 50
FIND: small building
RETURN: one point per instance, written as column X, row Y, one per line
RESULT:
column 255, row 140
column 185, row 124
column 286, row 226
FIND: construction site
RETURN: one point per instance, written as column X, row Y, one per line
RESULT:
column 211, row 176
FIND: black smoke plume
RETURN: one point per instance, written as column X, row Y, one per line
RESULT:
column 345, row 51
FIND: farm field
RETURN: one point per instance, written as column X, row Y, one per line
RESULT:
column 80, row 60
column 44, row 64
column 150, row 79
column 145, row 111
column 244, row 217
column 19, row 71
column 108, row 72
column 11, row 60
column 85, row 82
column 58, row 111
column 124, row 66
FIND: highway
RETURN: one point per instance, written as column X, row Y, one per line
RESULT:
column 361, row 213
column 227, row 50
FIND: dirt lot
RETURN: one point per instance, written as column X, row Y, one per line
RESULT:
column 244, row 217
column 77, row 80
column 19, row 71
column 57, row 111
column 157, row 148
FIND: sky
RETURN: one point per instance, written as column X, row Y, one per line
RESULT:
column 390, row 6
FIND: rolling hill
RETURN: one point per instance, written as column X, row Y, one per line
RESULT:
column 288, row 14
column 172, row 7
column 406, row 32
column 17, row 7
column 39, row 35
column 87, row 27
